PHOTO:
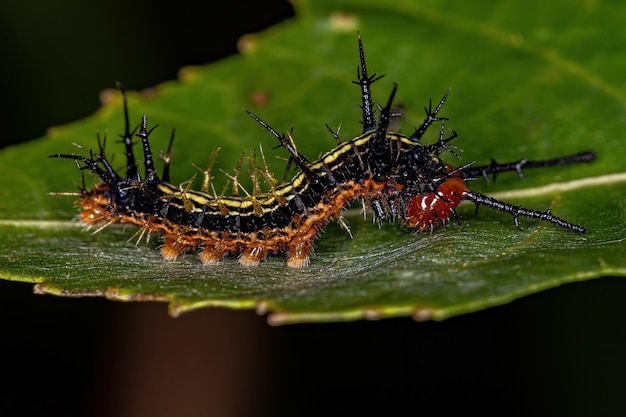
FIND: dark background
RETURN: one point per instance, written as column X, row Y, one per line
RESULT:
column 557, row 352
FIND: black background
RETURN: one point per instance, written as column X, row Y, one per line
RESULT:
column 557, row 352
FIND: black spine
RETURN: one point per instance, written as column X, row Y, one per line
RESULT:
column 517, row 211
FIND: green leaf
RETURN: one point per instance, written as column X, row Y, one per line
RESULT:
column 537, row 81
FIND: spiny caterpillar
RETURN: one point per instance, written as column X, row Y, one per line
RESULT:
column 395, row 176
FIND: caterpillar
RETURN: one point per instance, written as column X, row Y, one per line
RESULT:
column 395, row 176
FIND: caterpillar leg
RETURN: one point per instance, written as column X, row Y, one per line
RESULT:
column 298, row 254
column 252, row 255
